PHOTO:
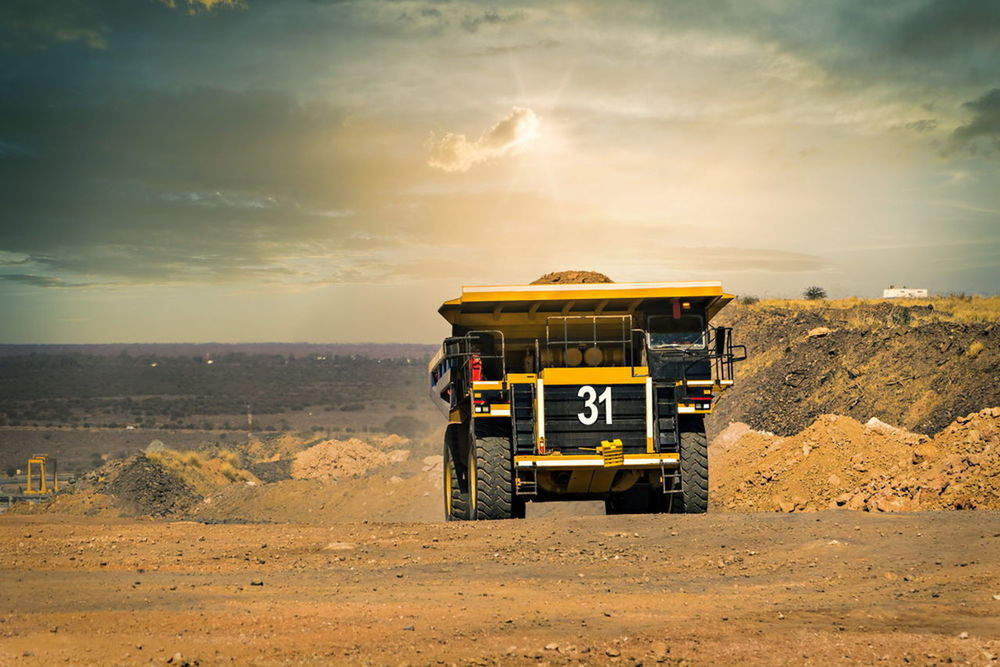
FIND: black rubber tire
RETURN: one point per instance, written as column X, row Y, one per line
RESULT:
column 455, row 486
column 693, row 465
column 494, row 497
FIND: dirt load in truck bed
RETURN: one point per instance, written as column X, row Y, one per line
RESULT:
column 572, row 277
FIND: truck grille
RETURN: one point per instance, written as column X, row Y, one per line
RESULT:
column 576, row 424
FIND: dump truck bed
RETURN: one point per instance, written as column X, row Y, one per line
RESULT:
column 604, row 298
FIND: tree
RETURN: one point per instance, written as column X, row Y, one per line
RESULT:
column 813, row 293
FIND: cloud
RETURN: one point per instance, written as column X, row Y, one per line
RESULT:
column 38, row 281
column 38, row 24
column 946, row 27
column 742, row 260
column 195, row 6
column 454, row 152
column 983, row 131
column 490, row 17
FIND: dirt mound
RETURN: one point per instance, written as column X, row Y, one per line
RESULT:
column 144, row 487
column 839, row 462
column 338, row 459
column 402, row 491
column 572, row 277
column 884, row 360
column 272, row 471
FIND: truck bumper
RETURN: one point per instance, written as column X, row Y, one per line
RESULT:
column 630, row 462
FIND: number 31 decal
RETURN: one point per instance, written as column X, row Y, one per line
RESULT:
column 590, row 401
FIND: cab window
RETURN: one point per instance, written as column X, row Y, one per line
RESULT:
column 684, row 332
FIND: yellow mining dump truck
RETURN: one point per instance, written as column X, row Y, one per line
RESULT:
column 580, row 392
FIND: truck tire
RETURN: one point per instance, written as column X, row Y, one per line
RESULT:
column 492, row 468
column 693, row 465
column 456, row 500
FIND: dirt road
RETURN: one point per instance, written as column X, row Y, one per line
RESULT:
column 834, row 587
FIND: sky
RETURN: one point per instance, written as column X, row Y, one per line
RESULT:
column 331, row 171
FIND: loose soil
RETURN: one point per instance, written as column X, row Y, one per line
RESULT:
column 570, row 277
column 836, row 587
column 838, row 462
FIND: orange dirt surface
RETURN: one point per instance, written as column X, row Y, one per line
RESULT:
column 839, row 462
column 336, row 459
column 838, row 587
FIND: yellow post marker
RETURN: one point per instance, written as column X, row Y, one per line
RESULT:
column 38, row 461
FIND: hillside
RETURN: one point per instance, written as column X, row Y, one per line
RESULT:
column 918, row 366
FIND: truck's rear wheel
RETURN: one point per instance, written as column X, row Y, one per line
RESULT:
column 693, row 498
column 456, row 500
column 492, row 468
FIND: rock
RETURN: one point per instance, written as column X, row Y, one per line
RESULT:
column 963, row 635
column 612, row 652
column 432, row 463
column 409, row 628
column 399, row 455
column 819, row 332
column 552, row 647
column 923, row 452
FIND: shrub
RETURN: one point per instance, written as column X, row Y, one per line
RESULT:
column 191, row 459
column 814, row 293
column 229, row 456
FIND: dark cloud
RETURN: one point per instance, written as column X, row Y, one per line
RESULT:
column 38, row 281
column 38, row 24
column 944, row 28
column 473, row 22
column 983, row 131
column 916, row 44
column 922, row 126
column 198, row 185
column 195, row 6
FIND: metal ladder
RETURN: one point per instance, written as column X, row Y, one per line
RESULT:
column 526, row 482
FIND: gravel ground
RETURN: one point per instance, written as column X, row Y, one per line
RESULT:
column 835, row 587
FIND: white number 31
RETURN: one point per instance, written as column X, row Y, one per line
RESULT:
column 590, row 401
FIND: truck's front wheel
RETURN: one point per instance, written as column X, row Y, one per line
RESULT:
column 693, row 464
